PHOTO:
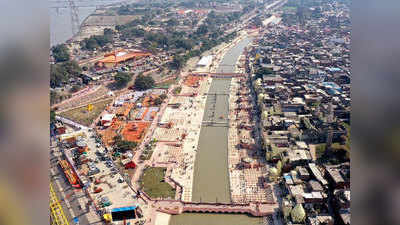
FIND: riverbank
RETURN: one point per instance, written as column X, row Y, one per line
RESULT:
column 212, row 176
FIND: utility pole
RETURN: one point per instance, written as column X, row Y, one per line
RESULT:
column 74, row 17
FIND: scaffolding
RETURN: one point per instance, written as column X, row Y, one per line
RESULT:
column 57, row 216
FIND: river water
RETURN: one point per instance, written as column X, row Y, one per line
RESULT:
column 211, row 178
column 60, row 16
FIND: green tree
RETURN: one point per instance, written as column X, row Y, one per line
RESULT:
column 177, row 90
column 52, row 116
column 75, row 88
column 263, row 71
column 144, row 82
column 163, row 96
column 122, row 79
column 123, row 145
column 178, row 62
column 279, row 167
column 172, row 22
column 60, row 73
column 158, row 101
column 53, row 97
column 257, row 21
column 203, row 29
column 298, row 214
column 58, row 76
column 60, row 53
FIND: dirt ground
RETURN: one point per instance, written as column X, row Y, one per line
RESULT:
column 81, row 114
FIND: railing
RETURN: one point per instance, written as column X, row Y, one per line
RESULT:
column 56, row 211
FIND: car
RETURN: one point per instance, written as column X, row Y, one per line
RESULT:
column 94, row 171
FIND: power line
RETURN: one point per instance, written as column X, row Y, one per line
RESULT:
column 74, row 16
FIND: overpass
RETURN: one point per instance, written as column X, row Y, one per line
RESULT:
column 215, row 124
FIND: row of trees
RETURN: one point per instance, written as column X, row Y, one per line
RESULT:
column 121, row 145
column 144, row 82
column 60, row 73
column 97, row 41
column 122, row 79
column 141, row 82
column 60, row 53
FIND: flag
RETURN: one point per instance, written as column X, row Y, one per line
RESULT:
column 90, row 107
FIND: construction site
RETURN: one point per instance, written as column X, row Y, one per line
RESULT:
column 129, row 116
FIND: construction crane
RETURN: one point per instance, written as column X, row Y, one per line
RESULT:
column 57, row 216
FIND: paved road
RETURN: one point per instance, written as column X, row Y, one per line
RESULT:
column 66, row 194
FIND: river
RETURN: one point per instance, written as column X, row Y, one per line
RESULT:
column 60, row 17
column 211, row 178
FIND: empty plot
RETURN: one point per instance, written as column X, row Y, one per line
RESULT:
column 134, row 131
column 81, row 114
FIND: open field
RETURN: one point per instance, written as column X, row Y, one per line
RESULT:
column 134, row 131
column 81, row 115
column 166, row 84
column 153, row 184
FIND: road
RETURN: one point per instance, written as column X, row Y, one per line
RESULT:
column 69, row 199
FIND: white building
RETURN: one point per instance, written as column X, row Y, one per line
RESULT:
column 204, row 63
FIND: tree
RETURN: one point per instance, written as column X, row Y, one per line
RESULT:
column 257, row 22
column 53, row 97
column 60, row 73
column 178, row 62
column 298, row 214
column 58, row 76
column 273, row 174
column 123, row 145
column 72, row 68
column 279, row 167
column 203, row 29
column 287, row 209
column 122, row 79
column 177, row 90
column 144, row 82
column 158, row 101
column 172, row 22
column 60, row 53
column 108, row 32
column 163, row 96
column 52, row 116
column 263, row 71
column 75, row 88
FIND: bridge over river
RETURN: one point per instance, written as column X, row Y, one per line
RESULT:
column 254, row 209
column 211, row 201
column 219, row 74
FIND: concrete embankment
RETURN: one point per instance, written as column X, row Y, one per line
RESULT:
column 211, row 178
